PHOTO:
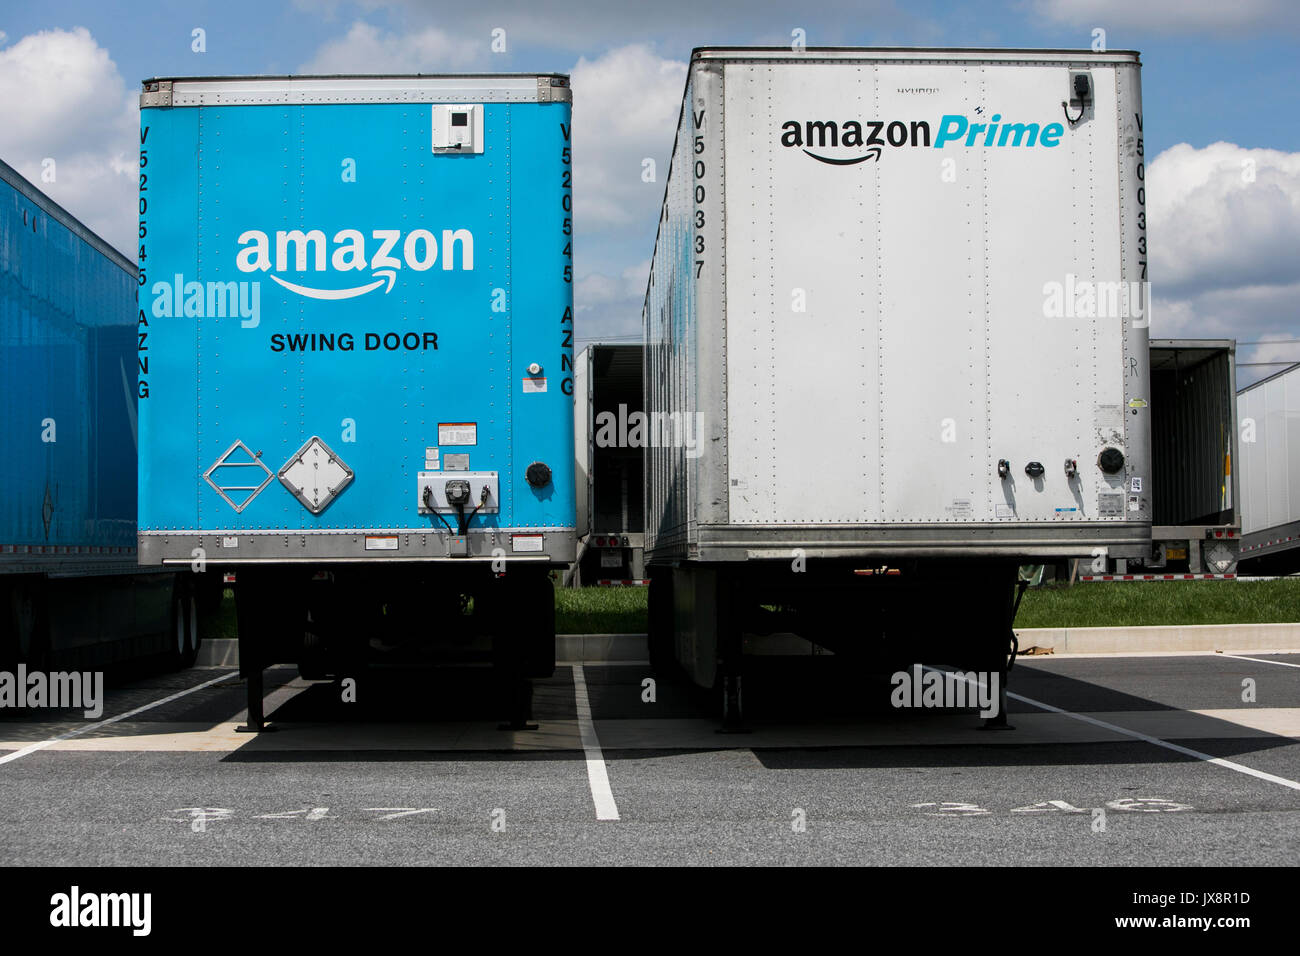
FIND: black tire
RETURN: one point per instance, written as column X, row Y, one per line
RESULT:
column 185, row 627
column 29, row 625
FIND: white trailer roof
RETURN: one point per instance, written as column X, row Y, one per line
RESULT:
column 913, row 54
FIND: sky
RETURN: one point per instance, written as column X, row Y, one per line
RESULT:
column 1221, row 91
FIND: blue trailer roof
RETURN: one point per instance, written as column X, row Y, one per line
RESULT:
column 74, row 225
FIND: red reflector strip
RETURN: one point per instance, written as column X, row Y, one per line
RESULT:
column 1157, row 577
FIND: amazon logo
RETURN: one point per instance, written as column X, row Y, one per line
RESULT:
column 851, row 142
column 351, row 264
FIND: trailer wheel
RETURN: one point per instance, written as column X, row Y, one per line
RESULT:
column 185, row 627
column 29, row 628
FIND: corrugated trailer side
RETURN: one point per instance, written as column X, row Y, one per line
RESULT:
column 1269, row 413
column 68, row 364
column 71, row 591
column 900, row 296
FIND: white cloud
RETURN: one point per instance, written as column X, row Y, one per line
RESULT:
column 62, row 98
column 1173, row 16
column 584, row 25
column 609, row 306
column 367, row 49
column 1224, row 214
column 626, row 104
column 1224, row 230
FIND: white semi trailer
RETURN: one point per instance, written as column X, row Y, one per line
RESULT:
column 1269, row 411
column 1196, row 521
column 896, row 346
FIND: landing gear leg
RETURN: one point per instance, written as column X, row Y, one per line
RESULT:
column 522, row 653
column 1004, row 635
column 249, row 613
column 250, row 669
column 517, row 692
column 730, row 658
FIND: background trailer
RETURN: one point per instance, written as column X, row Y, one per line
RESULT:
column 1270, row 473
column 71, row 593
column 1194, row 463
column 608, row 416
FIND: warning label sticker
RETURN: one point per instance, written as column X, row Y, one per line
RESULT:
column 960, row 510
column 458, row 433
column 1108, row 421
column 1110, row 505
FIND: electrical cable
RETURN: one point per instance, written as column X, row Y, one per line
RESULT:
column 428, row 503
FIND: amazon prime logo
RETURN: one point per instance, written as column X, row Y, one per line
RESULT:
column 851, row 142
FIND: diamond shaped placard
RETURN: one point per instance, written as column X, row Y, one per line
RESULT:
column 236, row 473
column 315, row 475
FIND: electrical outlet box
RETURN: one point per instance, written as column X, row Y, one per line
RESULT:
column 436, row 482
column 457, row 129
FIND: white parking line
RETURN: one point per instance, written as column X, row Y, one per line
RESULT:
column 1260, row 660
column 601, row 795
column 1178, row 748
column 1138, row 735
column 40, row 745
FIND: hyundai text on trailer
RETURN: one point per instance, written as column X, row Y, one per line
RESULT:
column 358, row 293
column 904, row 293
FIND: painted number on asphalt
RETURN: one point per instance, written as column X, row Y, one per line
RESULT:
column 1126, row 804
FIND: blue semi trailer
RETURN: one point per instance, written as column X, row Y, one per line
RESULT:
column 357, row 295
column 71, row 593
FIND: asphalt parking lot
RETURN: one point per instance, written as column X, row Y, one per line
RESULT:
column 1152, row 760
